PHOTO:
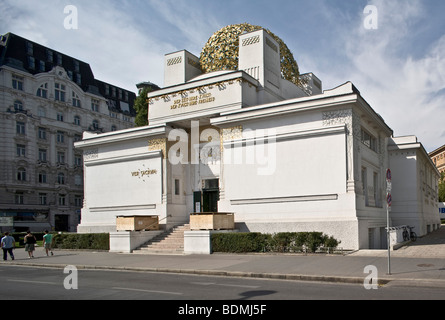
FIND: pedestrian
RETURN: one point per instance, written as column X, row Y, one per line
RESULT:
column 8, row 244
column 30, row 242
column 47, row 241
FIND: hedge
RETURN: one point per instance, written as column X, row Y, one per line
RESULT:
column 279, row 242
column 95, row 241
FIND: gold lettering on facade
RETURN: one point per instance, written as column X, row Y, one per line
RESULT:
column 158, row 144
column 145, row 172
column 192, row 101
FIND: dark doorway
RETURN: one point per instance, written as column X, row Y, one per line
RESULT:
column 61, row 222
column 210, row 195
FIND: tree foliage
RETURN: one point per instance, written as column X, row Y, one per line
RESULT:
column 442, row 187
column 141, row 107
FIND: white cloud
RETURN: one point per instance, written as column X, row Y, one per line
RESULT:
column 407, row 91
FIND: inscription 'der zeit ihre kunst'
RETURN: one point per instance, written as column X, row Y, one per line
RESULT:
column 192, row 101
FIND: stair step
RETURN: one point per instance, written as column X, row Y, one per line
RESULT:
column 169, row 242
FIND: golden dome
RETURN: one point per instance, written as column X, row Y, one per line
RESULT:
column 221, row 52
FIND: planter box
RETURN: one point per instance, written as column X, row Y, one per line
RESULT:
column 212, row 221
column 137, row 223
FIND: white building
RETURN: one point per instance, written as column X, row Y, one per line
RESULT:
column 249, row 142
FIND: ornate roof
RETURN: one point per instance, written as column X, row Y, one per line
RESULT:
column 221, row 52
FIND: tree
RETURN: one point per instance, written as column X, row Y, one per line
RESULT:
column 141, row 107
column 442, row 187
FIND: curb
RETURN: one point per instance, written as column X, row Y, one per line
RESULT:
column 254, row 275
column 221, row 273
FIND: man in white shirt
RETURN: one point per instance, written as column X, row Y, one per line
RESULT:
column 8, row 244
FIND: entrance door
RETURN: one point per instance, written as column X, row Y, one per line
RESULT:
column 61, row 222
column 210, row 201
column 210, row 195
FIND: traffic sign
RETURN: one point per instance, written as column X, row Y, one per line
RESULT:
column 388, row 175
column 389, row 199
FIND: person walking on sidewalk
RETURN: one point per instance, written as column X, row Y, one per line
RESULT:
column 30, row 242
column 47, row 241
column 8, row 244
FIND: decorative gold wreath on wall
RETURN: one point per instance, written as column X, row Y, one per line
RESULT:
column 221, row 52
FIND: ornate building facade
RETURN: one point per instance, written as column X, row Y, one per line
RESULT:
column 47, row 100
column 280, row 153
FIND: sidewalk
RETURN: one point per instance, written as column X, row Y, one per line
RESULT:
column 419, row 264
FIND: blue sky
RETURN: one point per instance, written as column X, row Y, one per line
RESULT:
column 399, row 68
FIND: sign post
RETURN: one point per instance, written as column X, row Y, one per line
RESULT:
column 388, row 207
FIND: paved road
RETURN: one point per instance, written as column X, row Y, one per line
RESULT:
column 419, row 264
column 30, row 283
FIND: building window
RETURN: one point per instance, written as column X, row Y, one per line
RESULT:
column 177, row 187
column 113, row 128
column 60, row 117
column 41, row 112
column 60, row 137
column 95, row 105
column 365, row 184
column 17, row 82
column 76, row 66
column 42, row 177
column 78, row 180
column 78, row 79
column 369, row 141
column 29, row 48
column 20, row 128
column 59, row 92
column 42, row 155
column 377, row 197
column 62, row 200
column 21, row 150
column 21, row 174
column 19, row 198
column 95, row 124
column 43, row 198
column 76, row 100
column 18, row 106
column 42, row 133
column 42, row 92
column 42, row 66
column 78, row 201
column 77, row 137
column 77, row 120
column 61, row 157
column 31, row 63
column 78, row 161
column 49, row 56
column 61, row 178
column 59, row 59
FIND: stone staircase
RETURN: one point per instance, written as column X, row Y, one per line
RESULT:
column 169, row 242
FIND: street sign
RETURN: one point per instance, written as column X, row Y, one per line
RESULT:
column 389, row 199
column 388, row 175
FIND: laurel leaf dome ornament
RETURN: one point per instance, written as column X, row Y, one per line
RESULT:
column 222, row 49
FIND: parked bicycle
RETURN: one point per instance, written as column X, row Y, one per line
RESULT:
column 409, row 235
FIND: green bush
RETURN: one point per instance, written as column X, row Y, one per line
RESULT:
column 279, row 242
column 95, row 241
column 240, row 242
